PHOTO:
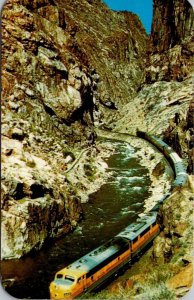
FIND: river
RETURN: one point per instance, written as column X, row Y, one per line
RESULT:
column 115, row 205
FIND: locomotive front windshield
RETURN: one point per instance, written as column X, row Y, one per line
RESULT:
column 68, row 278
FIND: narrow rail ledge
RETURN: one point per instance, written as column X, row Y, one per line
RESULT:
column 77, row 160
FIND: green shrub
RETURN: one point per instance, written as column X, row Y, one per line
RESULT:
column 157, row 291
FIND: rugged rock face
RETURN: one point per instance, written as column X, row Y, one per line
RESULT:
column 176, row 227
column 175, row 243
column 172, row 58
column 39, row 70
column 53, row 53
column 169, row 32
column 171, row 41
column 163, row 105
column 48, row 108
column 37, row 202
column 113, row 43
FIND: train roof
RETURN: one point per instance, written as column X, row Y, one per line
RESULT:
column 135, row 229
column 109, row 249
column 95, row 257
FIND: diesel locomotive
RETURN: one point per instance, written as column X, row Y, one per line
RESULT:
column 93, row 269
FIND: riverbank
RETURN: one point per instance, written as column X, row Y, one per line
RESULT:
column 113, row 207
column 42, row 194
column 89, row 173
column 166, row 269
column 50, row 187
column 161, row 174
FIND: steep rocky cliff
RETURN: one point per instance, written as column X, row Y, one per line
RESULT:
column 163, row 105
column 60, row 74
column 113, row 43
column 171, row 42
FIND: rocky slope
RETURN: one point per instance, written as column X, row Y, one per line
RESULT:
column 171, row 41
column 113, row 43
column 51, row 100
column 164, row 103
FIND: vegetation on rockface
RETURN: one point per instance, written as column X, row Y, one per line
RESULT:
column 165, row 271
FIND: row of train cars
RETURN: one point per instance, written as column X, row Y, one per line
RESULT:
column 93, row 269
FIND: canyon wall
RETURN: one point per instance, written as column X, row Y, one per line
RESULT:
column 164, row 102
column 164, row 107
column 68, row 66
column 50, row 104
column 65, row 66
column 171, row 41
column 172, row 49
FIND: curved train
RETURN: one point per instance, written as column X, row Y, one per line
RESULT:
column 93, row 269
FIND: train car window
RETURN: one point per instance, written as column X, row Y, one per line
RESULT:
column 79, row 280
column 59, row 276
column 154, row 224
column 70, row 278
column 144, row 232
column 135, row 240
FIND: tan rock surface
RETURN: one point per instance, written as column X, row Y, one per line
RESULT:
column 183, row 279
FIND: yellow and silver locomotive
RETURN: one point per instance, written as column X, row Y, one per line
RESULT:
column 91, row 270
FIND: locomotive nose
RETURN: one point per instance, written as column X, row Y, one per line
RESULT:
column 59, row 292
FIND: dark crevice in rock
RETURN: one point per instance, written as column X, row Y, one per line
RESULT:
column 63, row 73
column 19, row 191
column 37, row 190
column 18, row 136
column 49, row 110
column 35, row 4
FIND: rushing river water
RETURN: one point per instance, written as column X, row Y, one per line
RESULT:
column 114, row 206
